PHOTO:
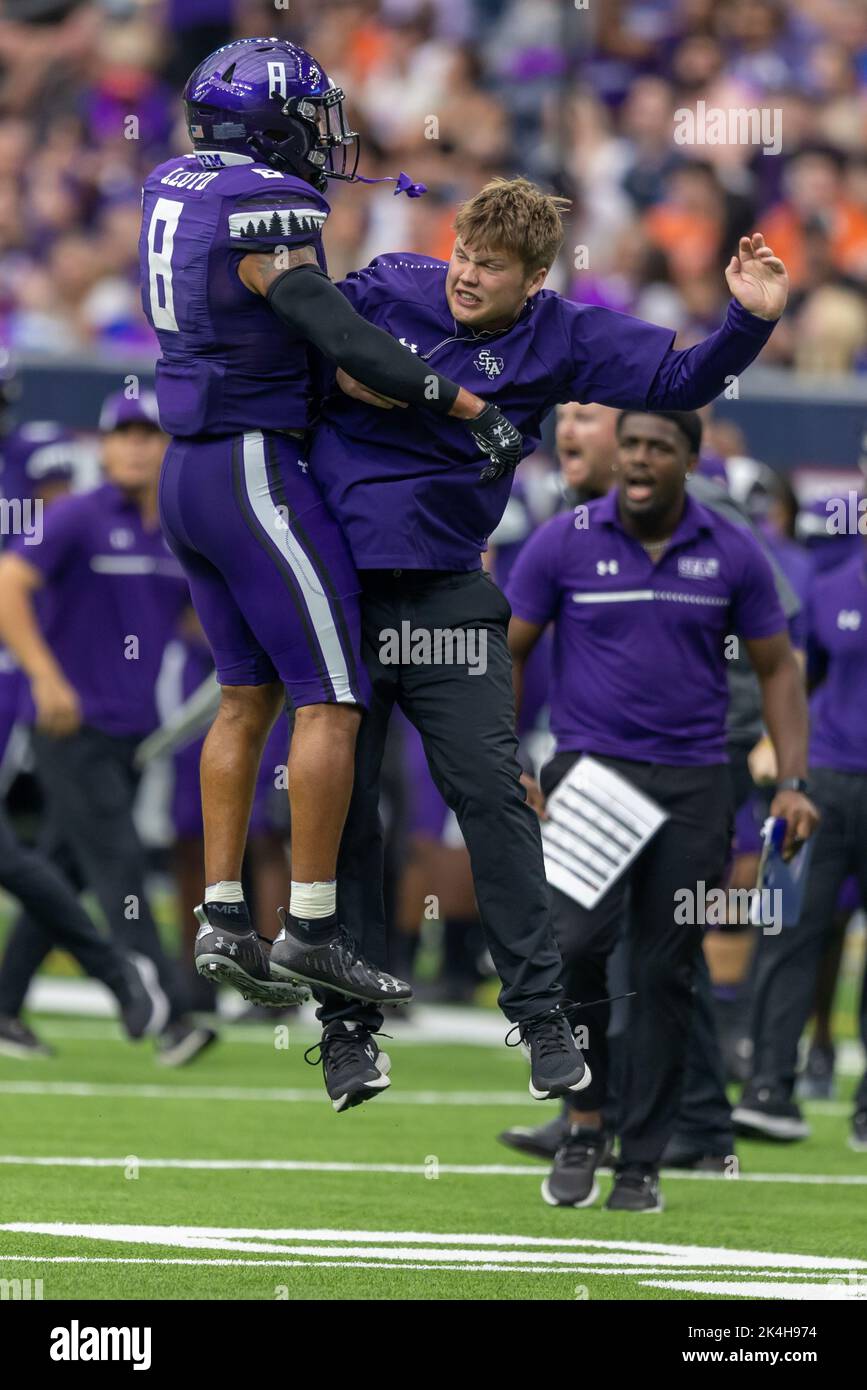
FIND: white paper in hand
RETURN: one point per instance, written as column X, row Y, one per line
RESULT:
column 597, row 824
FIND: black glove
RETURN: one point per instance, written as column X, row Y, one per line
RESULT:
column 497, row 437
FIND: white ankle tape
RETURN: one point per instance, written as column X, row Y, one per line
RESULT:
column 312, row 900
column 228, row 890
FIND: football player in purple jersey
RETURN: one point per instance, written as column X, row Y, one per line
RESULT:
column 234, row 282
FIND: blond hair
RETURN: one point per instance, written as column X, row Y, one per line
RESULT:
column 514, row 215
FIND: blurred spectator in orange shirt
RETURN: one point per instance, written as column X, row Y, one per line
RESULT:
column 815, row 197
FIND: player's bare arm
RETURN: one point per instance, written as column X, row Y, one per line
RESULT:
column 58, row 710
column 784, row 705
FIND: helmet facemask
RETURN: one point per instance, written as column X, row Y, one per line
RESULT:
column 335, row 140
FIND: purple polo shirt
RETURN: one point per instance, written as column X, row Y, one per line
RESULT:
column 639, row 666
column 111, row 600
column 837, row 640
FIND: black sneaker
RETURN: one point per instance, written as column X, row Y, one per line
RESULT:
column 354, row 1067
column 183, row 1042
column 17, row 1040
column 557, row 1067
column 680, row 1153
column 144, row 1008
column 572, row 1180
column 237, row 956
column 816, row 1081
column 541, row 1142
column 763, row 1113
column 858, row 1132
column 333, row 964
column 636, row 1188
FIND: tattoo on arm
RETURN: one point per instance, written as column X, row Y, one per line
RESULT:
column 260, row 269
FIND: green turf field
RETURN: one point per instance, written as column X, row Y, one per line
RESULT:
column 233, row 1178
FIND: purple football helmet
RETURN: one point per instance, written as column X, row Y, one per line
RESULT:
column 270, row 99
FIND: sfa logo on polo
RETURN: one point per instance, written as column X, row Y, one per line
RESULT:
column 77, row 1343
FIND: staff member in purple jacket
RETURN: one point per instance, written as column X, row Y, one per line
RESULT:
column 788, row 964
column 88, row 613
column 642, row 592
column 407, row 492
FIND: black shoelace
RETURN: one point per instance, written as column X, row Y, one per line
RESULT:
column 545, row 1026
column 339, row 1047
column 577, row 1148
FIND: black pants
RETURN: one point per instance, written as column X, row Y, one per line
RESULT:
column 666, row 1025
column 704, row 1120
column 467, row 725
column 52, row 905
column 89, row 782
column 787, row 964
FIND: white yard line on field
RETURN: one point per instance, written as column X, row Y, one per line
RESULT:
column 427, row 1025
column 712, row 1269
column 483, row 1170
column 88, row 1090
column 435, row 1247
column 92, row 1090
column 443, row 1023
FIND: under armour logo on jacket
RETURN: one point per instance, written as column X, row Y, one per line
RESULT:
column 849, row 619
column 607, row 567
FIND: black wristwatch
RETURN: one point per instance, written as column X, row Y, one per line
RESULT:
column 793, row 784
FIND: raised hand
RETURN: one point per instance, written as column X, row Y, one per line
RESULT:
column 757, row 278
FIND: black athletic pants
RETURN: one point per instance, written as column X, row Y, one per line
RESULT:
column 52, row 905
column 467, row 725
column 787, row 963
column 89, row 782
column 669, row 1032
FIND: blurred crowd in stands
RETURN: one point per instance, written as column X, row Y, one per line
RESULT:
column 585, row 100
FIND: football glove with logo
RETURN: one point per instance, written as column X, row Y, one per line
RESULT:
column 497, row 437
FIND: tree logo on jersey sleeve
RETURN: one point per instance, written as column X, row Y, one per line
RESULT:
column 253, row 224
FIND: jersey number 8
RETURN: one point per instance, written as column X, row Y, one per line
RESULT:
column 161, row 242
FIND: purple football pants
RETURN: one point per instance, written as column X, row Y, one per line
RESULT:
column 270, row 574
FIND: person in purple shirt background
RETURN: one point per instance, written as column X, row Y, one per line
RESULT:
column 38, row 466
column 409, row 500
column 787, row 965
column 645, row 580
column 87, row 613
